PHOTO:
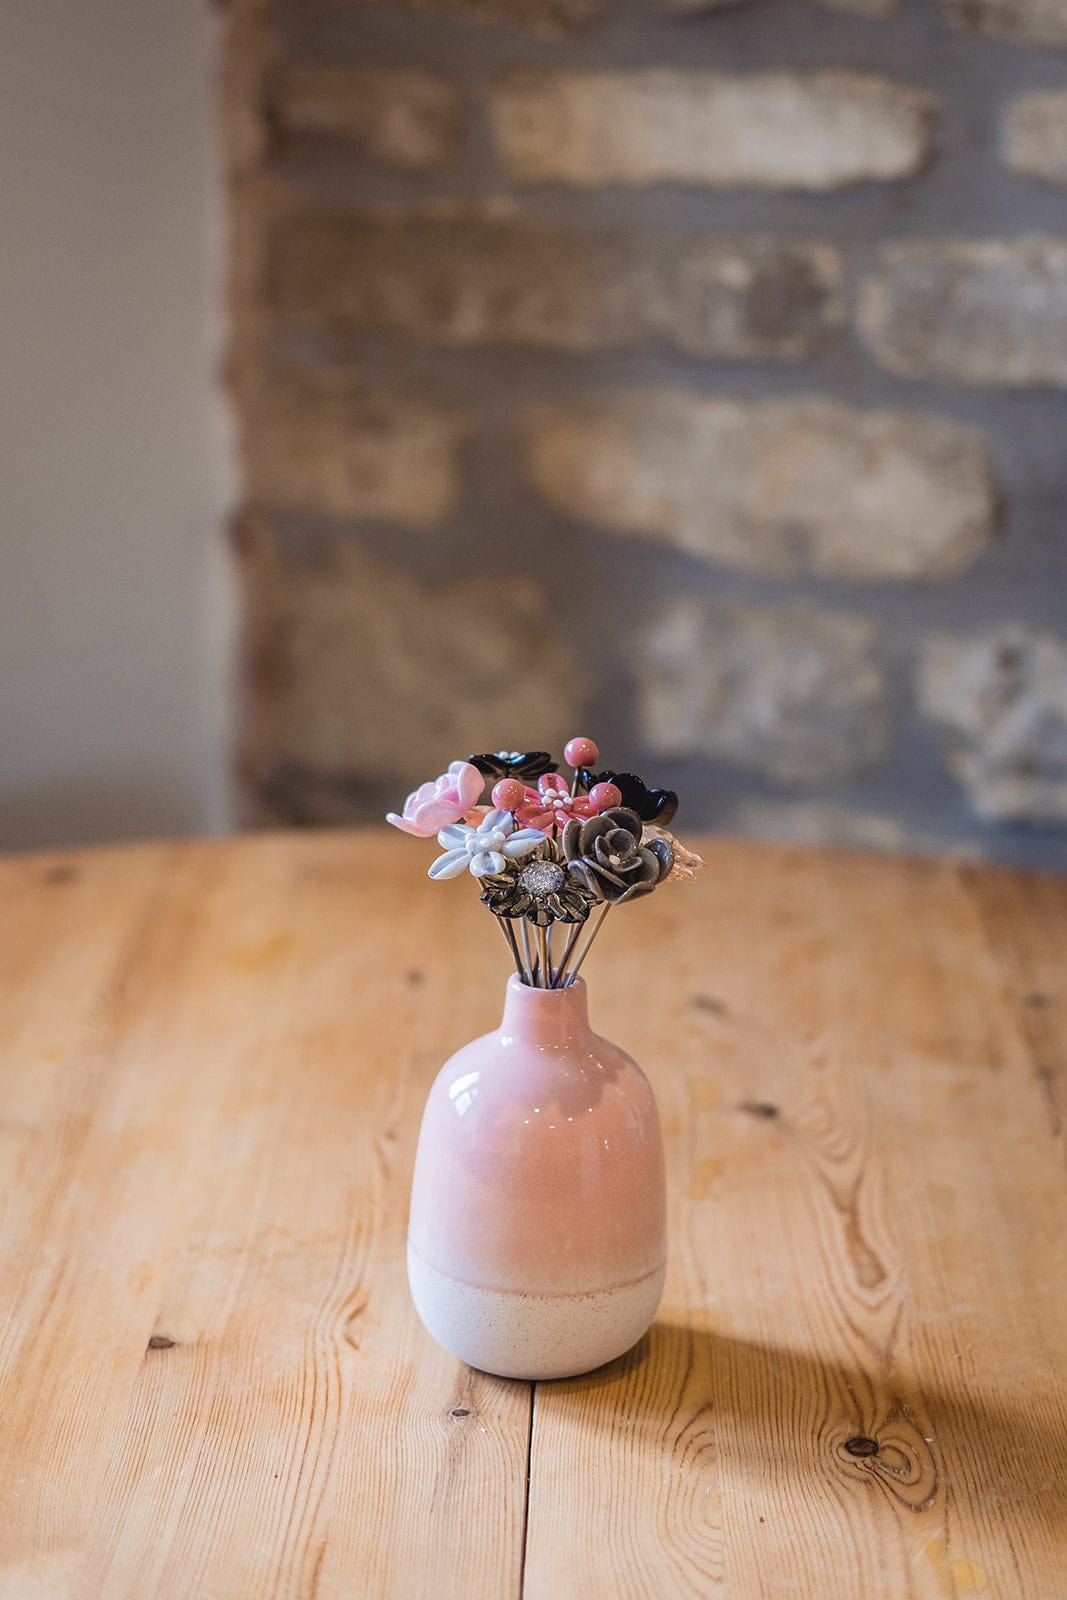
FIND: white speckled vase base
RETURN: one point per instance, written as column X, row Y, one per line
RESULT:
column 517, row 1335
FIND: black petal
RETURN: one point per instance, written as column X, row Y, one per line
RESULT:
column 651, row 805
column 527, row 764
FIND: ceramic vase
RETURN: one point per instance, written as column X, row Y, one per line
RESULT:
column 536, row 1245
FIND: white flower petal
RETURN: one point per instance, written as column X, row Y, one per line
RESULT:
column 450, row 865
column 454, row 837
column 487, row 862
column 496, row 819
column 521, row 843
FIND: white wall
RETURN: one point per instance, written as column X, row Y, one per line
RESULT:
column 114, row 602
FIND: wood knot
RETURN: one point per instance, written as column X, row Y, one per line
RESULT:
column 461, row 1411
column 708, row 1002
column 415, row 977
column 861, row 1445
column 759, row 1108
column 159, row 1341
column 63, row 872
column 1037, row 1001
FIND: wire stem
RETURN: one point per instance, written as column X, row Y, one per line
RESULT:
column 528, row 975
column 509, row 934
column 572, row 940
column 546, row 970
column 588, row 943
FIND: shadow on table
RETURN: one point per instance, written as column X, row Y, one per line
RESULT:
column 785, row 1412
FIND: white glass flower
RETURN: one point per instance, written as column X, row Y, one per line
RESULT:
column 486, row 849
column 687, row 864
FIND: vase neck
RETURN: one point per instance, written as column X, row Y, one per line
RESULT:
column 545, row 1017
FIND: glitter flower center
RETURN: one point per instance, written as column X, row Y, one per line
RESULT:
column 542, row 877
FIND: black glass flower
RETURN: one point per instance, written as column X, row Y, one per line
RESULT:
column 607, row 858
column 540, row 890
column 651, row 805
column 515, row 764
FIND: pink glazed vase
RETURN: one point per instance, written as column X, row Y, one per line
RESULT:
column 537, row 1239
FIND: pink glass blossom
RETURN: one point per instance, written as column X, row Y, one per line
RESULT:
column 551, row 805
column 438, row 805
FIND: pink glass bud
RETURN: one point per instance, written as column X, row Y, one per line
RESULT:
column 509, row 794
column 604, row 796
column 581, row 752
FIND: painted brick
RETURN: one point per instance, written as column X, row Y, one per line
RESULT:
column 971, row 311
column 785, row 487
column 1035, row 137
column 328, row 445
column 404, row 118
column 795, row 693
column 778, row 130
column 473, row 280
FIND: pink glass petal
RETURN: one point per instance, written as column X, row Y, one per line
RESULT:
column 552, row 783
column 405, row 825
column 470, row 783
column 436, row 814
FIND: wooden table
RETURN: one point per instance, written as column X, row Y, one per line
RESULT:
column 214, row 1387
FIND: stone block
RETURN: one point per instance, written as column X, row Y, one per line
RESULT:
column 361, row 676
column 775, row 130
column 473, row 279
column 1002, row 696
column 405, row 118
column 1025, row 22
column 795, row 693
column 326, row 444
column 989, row 312
column 1035, row 136
column 787, row 487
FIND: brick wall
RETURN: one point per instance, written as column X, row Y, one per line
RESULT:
column 687, row 373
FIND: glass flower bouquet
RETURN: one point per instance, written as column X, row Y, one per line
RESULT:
column 549, row 852
column 537, row 1234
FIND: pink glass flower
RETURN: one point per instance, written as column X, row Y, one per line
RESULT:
column 551, row 805
column 438, row 805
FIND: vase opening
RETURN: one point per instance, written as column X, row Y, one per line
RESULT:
column 544, row 1016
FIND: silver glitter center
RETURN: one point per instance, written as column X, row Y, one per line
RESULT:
column 541, row 878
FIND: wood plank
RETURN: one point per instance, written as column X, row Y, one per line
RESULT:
column 1024, row 915
column 868, row 1229
column 214, row 1060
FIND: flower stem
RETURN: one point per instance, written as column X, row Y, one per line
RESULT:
column 528, row 975
column 546, row 969
column 509, row 934
column 586, row 947
column 572, row 940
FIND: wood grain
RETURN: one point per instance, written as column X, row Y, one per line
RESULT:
column 868, row 1228
column 212, row 1383
column 215, row 1059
